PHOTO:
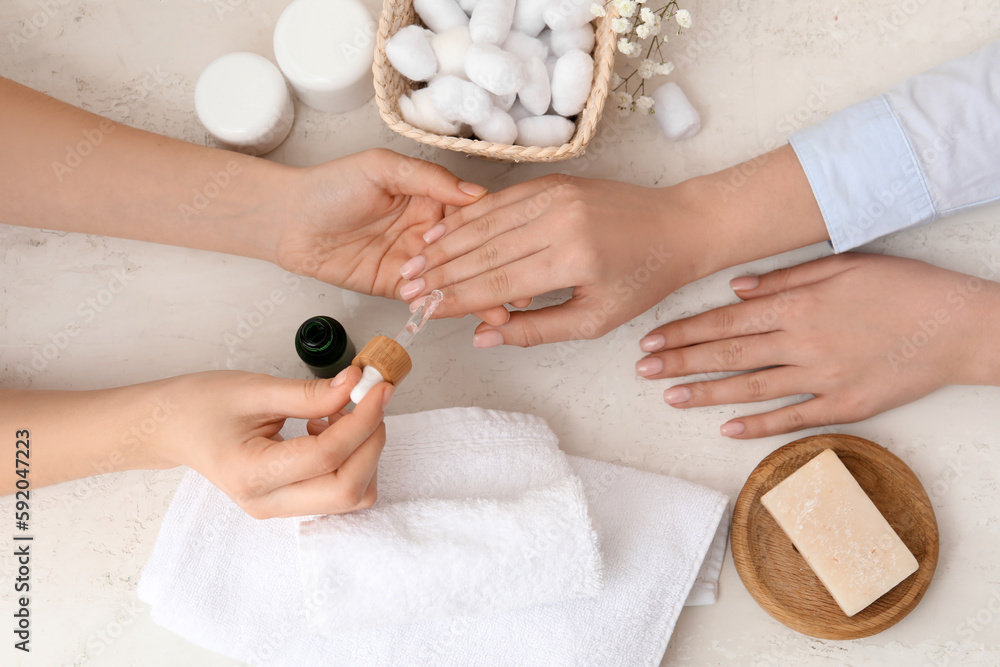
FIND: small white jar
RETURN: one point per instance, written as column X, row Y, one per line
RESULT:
column 325, row 48
column 243, row 101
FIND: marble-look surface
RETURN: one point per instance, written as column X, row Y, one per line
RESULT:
column 757, row 71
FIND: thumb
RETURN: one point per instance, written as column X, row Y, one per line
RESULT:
column 753, row 287
column 411, row 176
column 572, row 320
column 306, row 399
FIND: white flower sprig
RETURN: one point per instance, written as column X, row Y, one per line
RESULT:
column 636, row 23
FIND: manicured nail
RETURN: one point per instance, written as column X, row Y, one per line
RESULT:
column 488, row 338
column 387, row 396
column 472, row 189
column 676, row 395
column 652, row 343
column 340, row 378
column 649, row 366
column 732, row 429
column 412, row 288
column 435, row 232
column 744, row 283
column 413, row 267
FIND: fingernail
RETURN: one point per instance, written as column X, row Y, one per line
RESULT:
column 744, row 283
column 732, row 428
column 412, row 288
column 676, row 395
column 649, row 366
column 472, row 189
column 652, row 343
column 435, row 232
column 387, row 396
column 413, row 267
column 340, row 378
column 488, row 338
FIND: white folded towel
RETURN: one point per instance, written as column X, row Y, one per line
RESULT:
column 232, row 584
column 466, row 524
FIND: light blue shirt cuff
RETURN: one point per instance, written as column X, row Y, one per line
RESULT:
column 864, row 174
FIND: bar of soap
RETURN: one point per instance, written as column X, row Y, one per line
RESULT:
column 840, row 533
column 325, row 49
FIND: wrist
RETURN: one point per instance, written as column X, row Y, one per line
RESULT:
column 982, row 345
column 755, row 209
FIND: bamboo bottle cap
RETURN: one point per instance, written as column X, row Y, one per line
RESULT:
column 387, row 357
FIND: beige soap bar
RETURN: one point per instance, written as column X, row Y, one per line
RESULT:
column 839, row 531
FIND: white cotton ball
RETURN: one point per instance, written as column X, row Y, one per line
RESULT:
column 499, row 127
column 459, row 100
column 504, row 102
column 544, row 131
column 440, row 15
column 677, row 117
column 568, row 14
column 536, row 93
column 562, row 41
column 418, row 110
column 410, row 52
column 491, row 20
column 517, row 112
column 450, row 48
column 550, row 65
column 468, row 5
column 528, row 16
column 494, row 69
column 571, row 82
column 524, row 47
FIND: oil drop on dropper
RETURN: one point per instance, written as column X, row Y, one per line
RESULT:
column 384, row 359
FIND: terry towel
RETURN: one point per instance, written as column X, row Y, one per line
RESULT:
column 477, row 513
column 233, row 584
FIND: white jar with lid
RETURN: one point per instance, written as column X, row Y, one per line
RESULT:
column 243, row 101
column 325, row 49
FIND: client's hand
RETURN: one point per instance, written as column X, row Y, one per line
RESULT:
column 861, row 333
column 226, row 427
column 354, row 221
column 622, row 248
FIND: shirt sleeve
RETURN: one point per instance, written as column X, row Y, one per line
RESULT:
column 927, row 148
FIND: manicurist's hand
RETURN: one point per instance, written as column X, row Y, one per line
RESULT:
column 861, row 333
column 353, row 222
column 223, row 424
column 620, row 247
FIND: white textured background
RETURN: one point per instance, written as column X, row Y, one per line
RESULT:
column 767, row 70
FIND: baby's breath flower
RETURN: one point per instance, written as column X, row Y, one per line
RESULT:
column 647, row 15
column 643, row 104
column 665, row 68
column 683, row 18
column 598, row 10
column 647, row 69
column 627, row 8
column 620, row 26
column 642, row 31
column 616, row 80
column 653, row 26
column 622, row 99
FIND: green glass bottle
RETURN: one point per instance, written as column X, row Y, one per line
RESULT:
column 323, row 344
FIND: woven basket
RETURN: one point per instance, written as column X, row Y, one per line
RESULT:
column 390, row 85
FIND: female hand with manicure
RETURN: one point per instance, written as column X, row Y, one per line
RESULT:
column 622, row 248
column 861, row 333
column 223, row 424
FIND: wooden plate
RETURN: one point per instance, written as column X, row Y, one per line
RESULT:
column 778, row 577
